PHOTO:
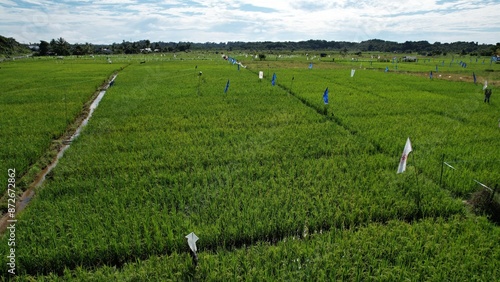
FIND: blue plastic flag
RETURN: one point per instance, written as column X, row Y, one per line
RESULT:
column 430, row 75
column 227, row 86
column 273, row 81
column 474, row 76
column 325, row 96
column 386, row 69
column 310, row 65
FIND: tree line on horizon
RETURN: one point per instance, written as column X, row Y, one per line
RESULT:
column 60, row 47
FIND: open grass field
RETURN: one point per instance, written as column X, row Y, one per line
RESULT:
column 276, row 184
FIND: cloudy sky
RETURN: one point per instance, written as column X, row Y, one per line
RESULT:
column 109, row 21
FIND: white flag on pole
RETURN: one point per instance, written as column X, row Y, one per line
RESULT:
column 192, row 238
column 485, row 85
column 352, row 72
column 404, row 157
column 261, row 74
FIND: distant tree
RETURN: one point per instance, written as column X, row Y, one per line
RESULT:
column 130, row 48
column 78, row 50
column 117, row 48
column 9, row 46
column 88, row 48
column 44, row 48
column 437, row 52
column 60, row 46
column 82, row 49
column 181, row 47
column 52, row 45
column 136, row 48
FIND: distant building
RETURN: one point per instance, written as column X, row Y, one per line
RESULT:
column 409, row 59
column 106, row 51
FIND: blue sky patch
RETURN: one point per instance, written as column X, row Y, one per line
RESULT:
column 252, row 8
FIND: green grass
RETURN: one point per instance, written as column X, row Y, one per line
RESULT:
column 39, row 99
column 275, row 184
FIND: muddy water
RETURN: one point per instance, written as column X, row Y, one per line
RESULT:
column 26, row 197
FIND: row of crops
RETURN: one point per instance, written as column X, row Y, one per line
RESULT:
column 441, row 117
column 39, row 100
column 263, row 175
column 430, row 250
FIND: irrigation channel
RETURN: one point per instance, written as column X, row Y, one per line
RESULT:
column 26, row 197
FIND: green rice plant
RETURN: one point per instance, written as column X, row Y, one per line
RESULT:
column 168, row 153
column 430, row 250
column 246, row 166
column 442, row 116
column 40, row 99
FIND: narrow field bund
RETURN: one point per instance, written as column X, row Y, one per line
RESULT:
column 243, row 168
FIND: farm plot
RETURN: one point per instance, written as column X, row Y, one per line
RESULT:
column 40, row 98
column 168, row 152
column 441, row 117
column 250, row 165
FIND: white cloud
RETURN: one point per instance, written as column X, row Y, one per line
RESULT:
column 8, row 3
column 107, row 21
